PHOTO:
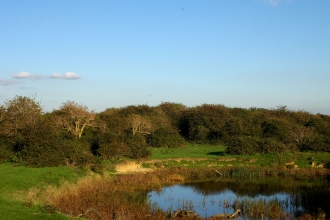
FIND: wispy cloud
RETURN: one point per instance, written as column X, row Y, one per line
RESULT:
column 6, row 82
column 67, row 75
column 25, row 75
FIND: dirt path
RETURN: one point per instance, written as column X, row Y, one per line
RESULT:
column 131, row 167
column 136, row 166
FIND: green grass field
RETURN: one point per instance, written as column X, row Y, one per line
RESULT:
column 16, row 179
column 215, row 156
column 191, row 151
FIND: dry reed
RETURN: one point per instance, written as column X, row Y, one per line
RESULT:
column 124, row 196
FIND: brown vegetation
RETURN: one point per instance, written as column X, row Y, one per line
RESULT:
column 124, row 196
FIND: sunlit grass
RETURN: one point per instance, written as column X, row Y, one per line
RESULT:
column 16, row 181
column 195, row 155
column 191, row 151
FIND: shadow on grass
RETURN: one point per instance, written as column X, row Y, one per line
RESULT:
column 217, row 153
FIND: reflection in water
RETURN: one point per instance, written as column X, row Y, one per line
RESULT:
column 213, row 197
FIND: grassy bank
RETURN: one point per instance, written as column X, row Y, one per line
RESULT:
column 15, row 181
column 44, row 193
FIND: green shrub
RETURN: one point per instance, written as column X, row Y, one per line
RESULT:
column 82, row 158
column 7, row 153
column 248, row 145
column 217, row 137
column 138, row 152
column 197, row 124
column 113, row 150
column 58, row 152
column 44, row 155
column 270, row 146
column 137, row 145
column 242, row 145
column 231, row 129
column 200, row 133
column 276, row 128
column 319, row 124
column 173, row 111
column 319, row 144
column 166, row 138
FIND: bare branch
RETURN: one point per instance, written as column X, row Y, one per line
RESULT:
column 75, row 118
column 140, row 125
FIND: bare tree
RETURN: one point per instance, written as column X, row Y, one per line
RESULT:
column 75, row 118
column 18, row 115
column 140, row 124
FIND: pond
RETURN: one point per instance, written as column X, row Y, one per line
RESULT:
column 254, row 199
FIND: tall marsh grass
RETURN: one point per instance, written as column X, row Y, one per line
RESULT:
column 262, row 209
column 124, row 196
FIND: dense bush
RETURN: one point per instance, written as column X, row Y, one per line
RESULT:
column 138, row 152
column 110, row 145
column 143, row 110
column 41, row 155
column 320, row 144
column 113, row 150
column 199, row 123
column 82, row 137
column 137, row 145
column 7, row 153
column 269, row 145
column 320, row 124
column 231, row 129
column 276, row 128
column 62, row 153
column 172, row 111
column 166, row 138
column 243, row 145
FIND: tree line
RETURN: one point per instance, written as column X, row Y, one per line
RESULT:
column 73, row 134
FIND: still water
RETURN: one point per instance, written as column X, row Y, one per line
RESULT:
column 214, row 197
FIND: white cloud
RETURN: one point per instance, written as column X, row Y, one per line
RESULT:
column 27, row 75
column 6, row 82
column 67, row 75
column 23, row 75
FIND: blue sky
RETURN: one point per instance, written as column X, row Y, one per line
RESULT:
column 110, row 53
